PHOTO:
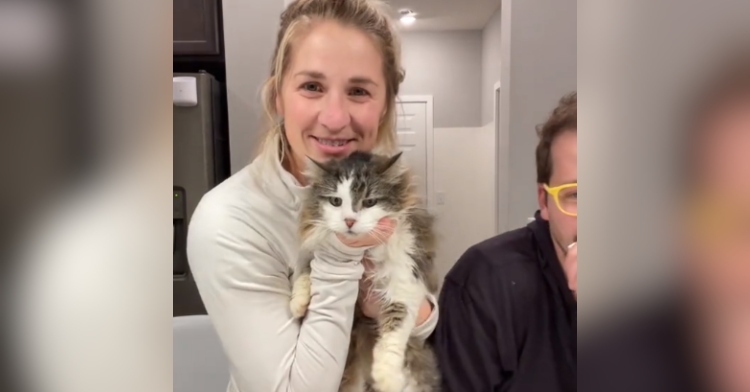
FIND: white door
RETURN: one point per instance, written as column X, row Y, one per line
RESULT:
column 411, row 129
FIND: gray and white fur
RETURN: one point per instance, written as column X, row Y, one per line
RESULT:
column 349, row 197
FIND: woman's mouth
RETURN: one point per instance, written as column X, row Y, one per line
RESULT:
column 333, row 146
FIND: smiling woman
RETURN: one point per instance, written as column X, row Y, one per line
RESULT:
column 331, row 113
column 334, row 82
column 332, row 91
column 331, row 100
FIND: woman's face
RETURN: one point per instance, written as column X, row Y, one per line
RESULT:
column 333, row 94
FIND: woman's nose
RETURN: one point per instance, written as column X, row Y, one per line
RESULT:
column 335, row 114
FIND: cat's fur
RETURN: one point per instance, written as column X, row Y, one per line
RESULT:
column 383, row 357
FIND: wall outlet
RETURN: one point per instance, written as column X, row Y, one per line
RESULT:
column 440, row 197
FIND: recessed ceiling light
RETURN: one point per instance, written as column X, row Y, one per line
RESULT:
column 407, row 17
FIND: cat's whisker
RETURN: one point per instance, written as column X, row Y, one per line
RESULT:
column 319, row 223
column 380, row 235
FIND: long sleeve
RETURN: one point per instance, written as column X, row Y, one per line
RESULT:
column 425, row 330
column 464, row 343
column 246, row 289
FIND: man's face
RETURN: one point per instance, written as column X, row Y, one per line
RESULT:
column 563, row 227
column 717, row 244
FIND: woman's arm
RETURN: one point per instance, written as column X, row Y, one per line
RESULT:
column 427, row 318
column 246, row 291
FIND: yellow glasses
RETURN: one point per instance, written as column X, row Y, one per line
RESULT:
column 565, row 197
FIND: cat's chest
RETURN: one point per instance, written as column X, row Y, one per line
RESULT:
column 392, row 258
column 381, row 255
column 400, row 244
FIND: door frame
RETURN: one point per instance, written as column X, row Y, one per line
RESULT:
column 429, row 140
column 502, row 160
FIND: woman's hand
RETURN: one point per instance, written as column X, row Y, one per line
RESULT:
column 377, row 236
column 370, row 303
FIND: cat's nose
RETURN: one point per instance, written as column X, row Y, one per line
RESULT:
column 349, row 222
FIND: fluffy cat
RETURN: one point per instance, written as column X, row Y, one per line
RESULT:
column 349, row 196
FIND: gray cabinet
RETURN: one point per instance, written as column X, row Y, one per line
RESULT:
column 196, row 27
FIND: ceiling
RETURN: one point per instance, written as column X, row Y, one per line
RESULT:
column 447, row 14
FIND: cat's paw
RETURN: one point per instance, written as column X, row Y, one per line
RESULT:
column 300, row 296
column 388, row 374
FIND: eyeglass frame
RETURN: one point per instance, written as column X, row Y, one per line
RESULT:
column 555, row 193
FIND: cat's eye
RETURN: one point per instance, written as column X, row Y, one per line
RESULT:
column 367, row 203
column 335, row 201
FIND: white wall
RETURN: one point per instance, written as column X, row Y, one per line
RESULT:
column 464, row 172
column 448, row 66
column 249, row 37
column 539, row 57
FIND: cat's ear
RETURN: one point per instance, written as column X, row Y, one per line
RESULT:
column 315, row 169
column 387, row 165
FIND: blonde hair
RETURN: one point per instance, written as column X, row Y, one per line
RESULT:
column 368, row 15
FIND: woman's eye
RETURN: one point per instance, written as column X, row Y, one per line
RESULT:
column 367, row 203
column 360, row 92
column 314, row 87
column 335, row 201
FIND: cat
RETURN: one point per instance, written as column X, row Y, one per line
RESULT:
column 349, row 196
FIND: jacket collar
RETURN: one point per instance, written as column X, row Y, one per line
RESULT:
column 279, row 183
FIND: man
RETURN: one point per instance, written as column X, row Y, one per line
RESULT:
column 508, row 306
column 698, row 338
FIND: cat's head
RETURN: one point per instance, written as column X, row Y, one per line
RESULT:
column 350, row 195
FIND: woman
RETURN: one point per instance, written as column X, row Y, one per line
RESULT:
column 332, row 90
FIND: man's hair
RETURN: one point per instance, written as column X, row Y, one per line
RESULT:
column 563, row 118
column 726, row 84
